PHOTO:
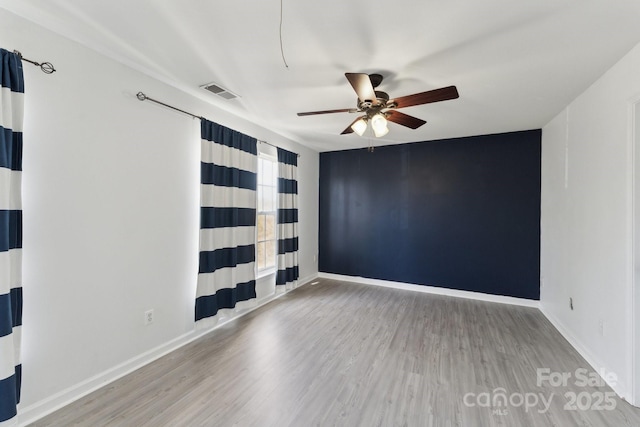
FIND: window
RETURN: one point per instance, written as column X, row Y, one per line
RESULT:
column 267, row 211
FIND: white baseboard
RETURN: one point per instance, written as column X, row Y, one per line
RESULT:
column 44, row 407
column 434, row 290
column 35, row 411
column 619, row 387
column 307, row 280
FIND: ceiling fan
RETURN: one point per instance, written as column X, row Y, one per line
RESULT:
column 378, row 108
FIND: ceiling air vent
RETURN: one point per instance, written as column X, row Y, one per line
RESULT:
column 219, row 90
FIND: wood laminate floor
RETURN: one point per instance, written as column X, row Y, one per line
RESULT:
column 344, row 354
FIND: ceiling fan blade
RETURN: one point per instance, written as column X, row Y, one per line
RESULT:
column 436, row 95
column 362, row 85
column 348, row 129
column 344, row 110
column 404, row 119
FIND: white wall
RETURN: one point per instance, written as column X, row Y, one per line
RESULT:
column 586, row 220
column 111, row 215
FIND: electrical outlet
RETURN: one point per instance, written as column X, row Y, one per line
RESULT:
column 148, row 317
column 601, row 327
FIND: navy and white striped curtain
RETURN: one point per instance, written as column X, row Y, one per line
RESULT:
column 288, row 270
column 11, row 116
column 226, row 275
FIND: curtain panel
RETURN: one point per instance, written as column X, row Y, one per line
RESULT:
column 288, row 270
column 11, row 118
column 228, row 172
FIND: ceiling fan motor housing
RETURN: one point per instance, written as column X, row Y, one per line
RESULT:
column 381, row 101
column 376, row 79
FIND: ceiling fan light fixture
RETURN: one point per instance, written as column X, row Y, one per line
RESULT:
column 378, row 107
column 379, row 125
column 359, row 126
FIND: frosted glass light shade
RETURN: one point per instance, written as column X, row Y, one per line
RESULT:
column 381, row 132
column 359, row 126
column 379, row 125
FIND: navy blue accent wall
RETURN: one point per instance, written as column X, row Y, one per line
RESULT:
column 460, row 213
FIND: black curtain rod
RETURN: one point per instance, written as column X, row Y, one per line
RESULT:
column 265, row 142
column 142, row 97
column 46, row 67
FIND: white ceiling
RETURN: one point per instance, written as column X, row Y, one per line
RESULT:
column 516, row 63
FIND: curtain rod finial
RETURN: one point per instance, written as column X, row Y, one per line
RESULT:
column 141, row 96
column 46, row 67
